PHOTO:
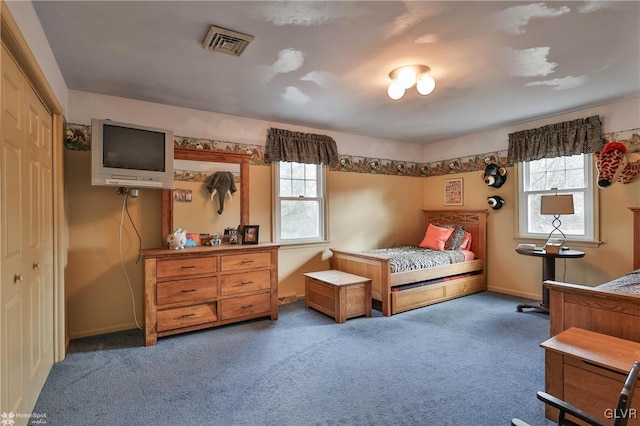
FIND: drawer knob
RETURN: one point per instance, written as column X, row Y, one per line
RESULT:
column 188, row 315
column 188, row 267
column 247, row 306
column 18, row 278
column 246, row 282
column 188, row 291
column 247, row 261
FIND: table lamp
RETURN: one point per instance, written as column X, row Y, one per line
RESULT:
column 556, row 205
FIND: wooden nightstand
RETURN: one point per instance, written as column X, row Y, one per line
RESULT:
column 588, row 370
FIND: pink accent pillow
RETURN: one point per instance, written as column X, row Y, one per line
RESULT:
column 466, row 242
column 436, row 237
column 468, row 255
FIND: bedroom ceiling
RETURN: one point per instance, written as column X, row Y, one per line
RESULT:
column 326, row 64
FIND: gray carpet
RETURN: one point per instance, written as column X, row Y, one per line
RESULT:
column 470, row 361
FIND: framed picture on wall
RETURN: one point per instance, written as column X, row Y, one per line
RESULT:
column 453, row 192
column 182, row 195
column 250, row 234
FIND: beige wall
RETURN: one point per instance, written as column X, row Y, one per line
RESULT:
column 509, row 272
column 200, row 215
column 98, row 295
column 365, row 211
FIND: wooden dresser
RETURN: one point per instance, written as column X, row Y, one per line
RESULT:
column 201, row 287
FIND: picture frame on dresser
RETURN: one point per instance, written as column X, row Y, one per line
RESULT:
column 250, row 234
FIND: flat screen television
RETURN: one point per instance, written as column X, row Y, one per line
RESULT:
column 129, row 155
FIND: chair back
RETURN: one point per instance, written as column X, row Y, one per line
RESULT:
column 623, row 410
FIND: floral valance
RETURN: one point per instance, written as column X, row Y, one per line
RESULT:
column 308, row 148
column 579, row 136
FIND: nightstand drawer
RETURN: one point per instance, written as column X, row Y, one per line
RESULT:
column 237, row 262
column 190, row 290
column 245, row 306
column 169, row 319
column 245, row 283
column 183, row 267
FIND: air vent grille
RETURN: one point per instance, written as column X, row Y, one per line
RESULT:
column 226, row 41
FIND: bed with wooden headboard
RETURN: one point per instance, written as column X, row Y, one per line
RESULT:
column 396, row 292
column 600, row 309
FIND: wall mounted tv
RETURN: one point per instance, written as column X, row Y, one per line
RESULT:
column 129, row 155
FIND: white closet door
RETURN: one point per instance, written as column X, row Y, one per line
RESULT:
column 26, row 197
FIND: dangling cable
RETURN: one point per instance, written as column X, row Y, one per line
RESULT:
column 137, row 233
column 126, row 274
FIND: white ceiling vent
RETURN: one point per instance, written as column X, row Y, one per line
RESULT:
column 226, row 41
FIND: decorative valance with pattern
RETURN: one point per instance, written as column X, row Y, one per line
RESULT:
column 308, row 148
column 581, row 136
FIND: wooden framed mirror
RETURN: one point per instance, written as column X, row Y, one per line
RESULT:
column 214, row 157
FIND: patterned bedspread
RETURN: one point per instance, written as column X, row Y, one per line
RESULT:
column 409, row 258
column 629, row 283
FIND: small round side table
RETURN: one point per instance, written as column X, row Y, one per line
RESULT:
column 548, row 272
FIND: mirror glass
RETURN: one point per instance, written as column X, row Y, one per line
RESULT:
column 189, row 205
column 194, row 208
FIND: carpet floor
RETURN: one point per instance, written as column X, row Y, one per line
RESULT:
column 472, row 361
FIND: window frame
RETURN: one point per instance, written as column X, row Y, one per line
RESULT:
column 591, row 204
column 321, row 182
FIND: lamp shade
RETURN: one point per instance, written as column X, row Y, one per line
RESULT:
column 556, row 204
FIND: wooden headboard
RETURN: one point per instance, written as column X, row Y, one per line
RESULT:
column 636, row 236
column 474, row 222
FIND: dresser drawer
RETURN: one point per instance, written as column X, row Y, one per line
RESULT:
column 169, row 319
column 238, row 262
column 189, row 266
column 245, row 306
column 189, row 290
column 245, row 282
column 590, row 391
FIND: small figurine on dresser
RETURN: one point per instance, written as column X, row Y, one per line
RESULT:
column 177, row 239
column 232, row 235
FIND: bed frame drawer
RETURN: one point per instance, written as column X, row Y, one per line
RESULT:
column 465, row 286
column 417, row 297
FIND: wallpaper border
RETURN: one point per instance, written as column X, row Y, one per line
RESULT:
column 78, row 138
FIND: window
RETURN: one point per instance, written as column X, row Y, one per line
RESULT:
column 299, row 203
column 570, row 175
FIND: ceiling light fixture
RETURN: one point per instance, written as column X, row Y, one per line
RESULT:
column 404, row 77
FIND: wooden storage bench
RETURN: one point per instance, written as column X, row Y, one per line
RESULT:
column 338, row 294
